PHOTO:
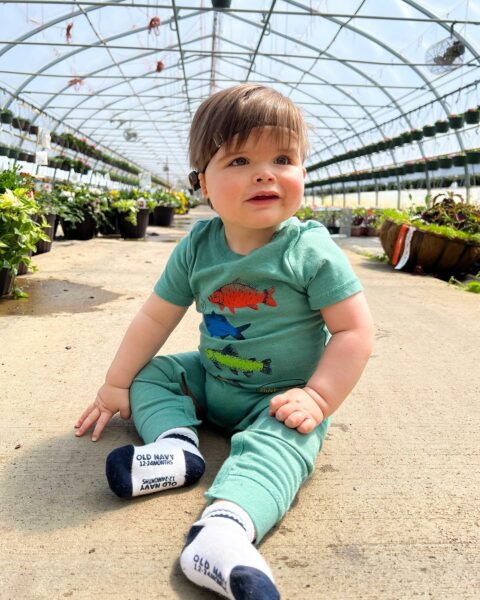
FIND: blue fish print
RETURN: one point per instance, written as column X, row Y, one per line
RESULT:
column 218, row 326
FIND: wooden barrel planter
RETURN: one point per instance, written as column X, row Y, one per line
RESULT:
column 127, row 230
column 430, row 252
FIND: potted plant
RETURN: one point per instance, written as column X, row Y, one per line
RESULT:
column 48, row 209
column 166, row 203
column 6, row 116
column 83, row 211
column 455, row 121
column 359, row 226
column 221, row 3
column 472, row 116
column 444, row 239
column 429, row 130
column 432, row 164
column 133, row 216
column 442, row 126
column 473, row 156
column 19, row 234
column 417, row 134
column 445, row 162
column 372, row 221
column 459, row 160
column 4, row 150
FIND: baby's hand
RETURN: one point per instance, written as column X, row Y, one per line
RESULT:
column 109, row 401
column 297, row 409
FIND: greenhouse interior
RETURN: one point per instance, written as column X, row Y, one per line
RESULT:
column 97, row 198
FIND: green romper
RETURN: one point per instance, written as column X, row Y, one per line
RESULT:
column 262, row 333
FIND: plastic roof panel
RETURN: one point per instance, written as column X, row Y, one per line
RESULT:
column 357, row 69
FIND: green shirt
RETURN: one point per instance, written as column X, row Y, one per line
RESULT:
column 262, row 328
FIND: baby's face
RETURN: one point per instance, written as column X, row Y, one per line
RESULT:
column 258, row 185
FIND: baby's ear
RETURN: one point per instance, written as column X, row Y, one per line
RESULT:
column 304, row 172
column 203, row 184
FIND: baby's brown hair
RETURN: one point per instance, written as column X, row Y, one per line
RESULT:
column 237, row 111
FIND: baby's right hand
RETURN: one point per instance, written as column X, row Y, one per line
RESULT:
column 109, row 401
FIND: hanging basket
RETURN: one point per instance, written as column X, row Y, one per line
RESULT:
column 459, row 160
column 221, row 3
column 442, row 126
column 456, row 121
column 429, row 130
column 445, row 162
column 473, row 157
column 428, row 252
column 417, row 134
column 472, row 116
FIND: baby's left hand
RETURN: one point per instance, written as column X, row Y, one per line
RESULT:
column 297, row 410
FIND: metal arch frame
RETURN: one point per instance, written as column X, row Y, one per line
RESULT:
column 357, row 31
column 339, row 88
column 410, row 65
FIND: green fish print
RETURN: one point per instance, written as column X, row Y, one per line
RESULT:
column 228, row 358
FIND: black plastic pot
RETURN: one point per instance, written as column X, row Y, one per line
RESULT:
column 43, row 246
column 80, row 231
column 4, row 150
column 456, row 122
column 442, row 126
column 163, row 215
column 22, row 156
column 33, row 129
column 13, row 153
column 110, row 227
column 417, row 135
column 433, row 165
column 127, row 230
column 6, row 282
column 221, row 3
column 445, row 163
column 30, row 158
column 429, row 130
column 472, row 117
column 459, row 160
column 473, row 157
column 6, row 118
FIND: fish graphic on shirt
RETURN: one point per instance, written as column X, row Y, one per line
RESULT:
column 230, row 359
column 241, row 295
column 218, row 326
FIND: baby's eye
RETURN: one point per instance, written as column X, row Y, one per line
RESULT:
column 239, row 161
column 283, row 160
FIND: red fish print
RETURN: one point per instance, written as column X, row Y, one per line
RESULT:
column 240, row 295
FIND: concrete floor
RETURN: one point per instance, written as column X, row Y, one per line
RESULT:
column 392, row 511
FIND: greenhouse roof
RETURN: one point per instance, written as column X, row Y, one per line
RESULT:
column 130, row 75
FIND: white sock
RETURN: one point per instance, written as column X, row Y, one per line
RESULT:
column 173, row 460
column 219, row 555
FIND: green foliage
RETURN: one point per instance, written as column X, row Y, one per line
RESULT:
column 19, row 233
column 169, row 199
column 470, row 286
column 305, row 213
column 445, row 217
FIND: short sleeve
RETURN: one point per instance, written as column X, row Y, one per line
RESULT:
column 174, row 284
column 326, row 273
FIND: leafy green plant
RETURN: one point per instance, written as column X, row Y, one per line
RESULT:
column 470, row 286
column 19, row 233
column 169, row 199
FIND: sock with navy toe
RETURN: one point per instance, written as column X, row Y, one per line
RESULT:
column 219, row 555
column 173, row 460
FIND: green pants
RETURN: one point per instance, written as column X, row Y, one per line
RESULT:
column 268, row 461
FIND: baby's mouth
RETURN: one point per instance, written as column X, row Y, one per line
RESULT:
column 263, row 197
